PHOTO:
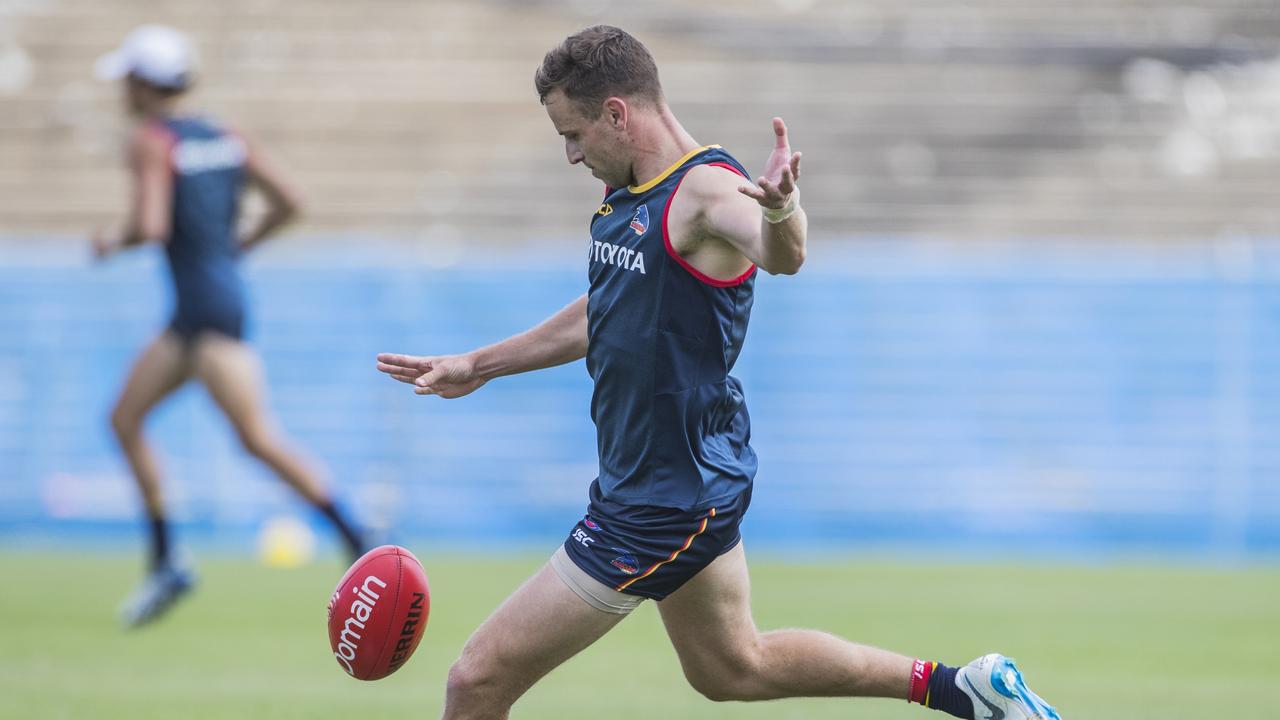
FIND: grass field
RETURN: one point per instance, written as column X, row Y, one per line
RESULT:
column 1113, row 643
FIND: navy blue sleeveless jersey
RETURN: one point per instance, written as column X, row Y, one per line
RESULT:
column 209, row 174
column 671, row 422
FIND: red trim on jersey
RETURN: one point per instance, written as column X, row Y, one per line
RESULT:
column 726, row 166
column 666, row 240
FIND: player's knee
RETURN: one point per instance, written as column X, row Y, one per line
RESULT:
column 467, row 681
column 725, row 679
column 709, row 687
column 125, row 424
column 256, row 442
column 717, row 688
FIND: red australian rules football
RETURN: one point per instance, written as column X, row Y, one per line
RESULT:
column 378, row 612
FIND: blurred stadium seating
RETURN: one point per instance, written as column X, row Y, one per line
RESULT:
column 1026, row 118
column 1060, row 305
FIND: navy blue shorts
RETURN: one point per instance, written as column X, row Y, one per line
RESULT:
column 652, row 551
column 226, row 322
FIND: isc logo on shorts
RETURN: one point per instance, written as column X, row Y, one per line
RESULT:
column 582, row 537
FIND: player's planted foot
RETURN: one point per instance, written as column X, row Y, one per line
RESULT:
column 996, row 688
column 159, row 591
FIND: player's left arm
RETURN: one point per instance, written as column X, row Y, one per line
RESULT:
column 764, row 221
column 284, row 201
column 151, row 207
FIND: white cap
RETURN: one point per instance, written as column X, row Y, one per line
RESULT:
column 157, row 54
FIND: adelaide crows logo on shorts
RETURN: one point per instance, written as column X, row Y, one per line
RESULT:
column 626, row 562
column 640, row 221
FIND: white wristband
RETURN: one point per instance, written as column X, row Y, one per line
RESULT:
column 776, row 215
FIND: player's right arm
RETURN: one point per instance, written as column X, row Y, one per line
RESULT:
column 560, row 339
column 152, row 195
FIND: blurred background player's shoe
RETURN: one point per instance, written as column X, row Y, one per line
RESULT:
column 996, row 688
column 159, row 591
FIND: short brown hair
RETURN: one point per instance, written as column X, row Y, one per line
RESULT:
column 596, row 63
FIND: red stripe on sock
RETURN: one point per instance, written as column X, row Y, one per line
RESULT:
column 919, row 688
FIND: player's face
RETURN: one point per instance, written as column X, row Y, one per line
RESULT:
column 592, row 142
column 137, row 96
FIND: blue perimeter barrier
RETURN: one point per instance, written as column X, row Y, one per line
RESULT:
column 1032, row 396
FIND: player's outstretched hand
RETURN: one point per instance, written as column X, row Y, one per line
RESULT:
column 773, row 189
column 449, row 376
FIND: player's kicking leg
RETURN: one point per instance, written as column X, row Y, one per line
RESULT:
column 540, row 626
column 232, row 372
column 159, row 370
column 725, row 657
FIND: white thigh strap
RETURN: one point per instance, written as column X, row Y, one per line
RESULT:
column 592, row 591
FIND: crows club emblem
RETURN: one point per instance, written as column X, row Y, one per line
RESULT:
column 640, row 221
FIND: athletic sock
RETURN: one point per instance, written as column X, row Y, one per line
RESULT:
column 159, row 542
column 355, row 542
column 934, row 686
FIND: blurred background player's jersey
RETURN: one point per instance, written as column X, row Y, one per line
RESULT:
column 672, row 425
column 208, row 165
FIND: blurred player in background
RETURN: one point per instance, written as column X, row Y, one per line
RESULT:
column 188, row 174
column 672, row 260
